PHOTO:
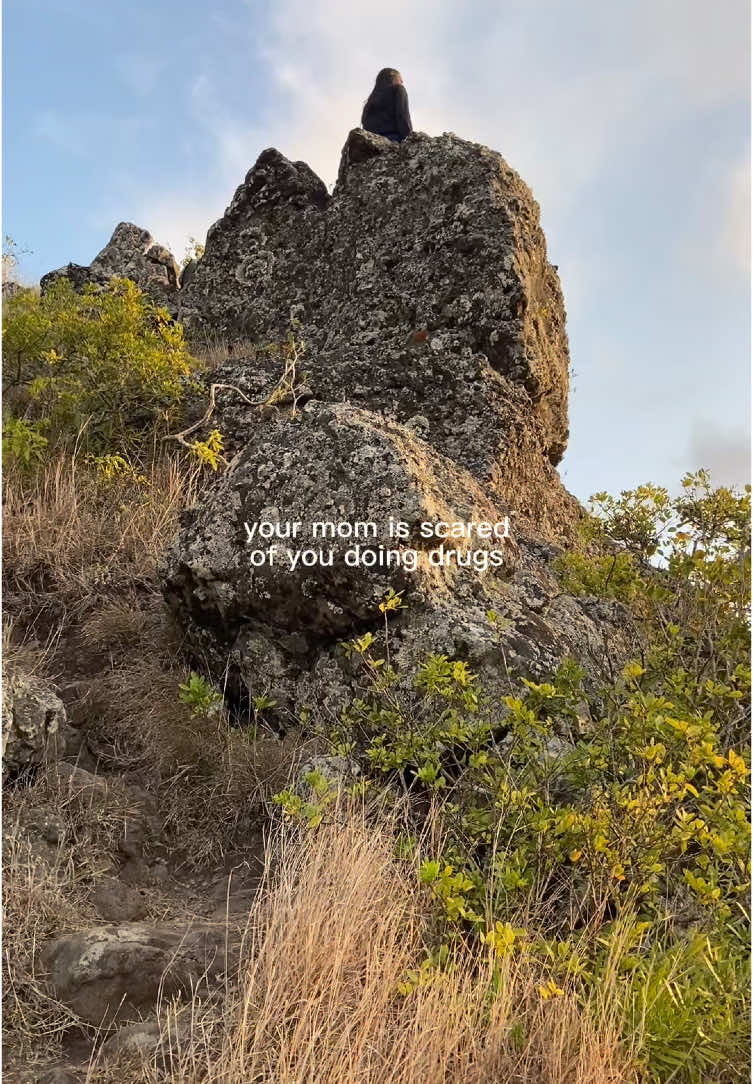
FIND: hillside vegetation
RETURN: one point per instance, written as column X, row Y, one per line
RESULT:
column 549, row 885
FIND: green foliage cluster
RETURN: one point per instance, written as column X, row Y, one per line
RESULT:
column 104, row 370
column 209, row 451
column 683, row 566
column 199, row 694
column 605, row 834
column 314, row 796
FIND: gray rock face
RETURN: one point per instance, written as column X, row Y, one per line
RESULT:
column 278, row 624
column 431, row 345
column 115, row 972
column 336, row 465
column 142, row 1038
column 118, row 902
column 34, row 722
column 130, row 253
column 421, row 287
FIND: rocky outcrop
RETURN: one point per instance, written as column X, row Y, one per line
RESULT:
column 426, row 379
column 34, row 722
column 130, row 253
column 421, row 287
column 409, row 363
column 276, row 627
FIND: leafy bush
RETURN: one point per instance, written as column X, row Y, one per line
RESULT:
column 602, row 834
column 23, row 442
column 683, row 565
column 199, row 694
column 105, row 369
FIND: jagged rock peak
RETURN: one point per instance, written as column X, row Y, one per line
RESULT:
column 273, row 180
column 130, row 253
column 424, row 277
column 432, row 345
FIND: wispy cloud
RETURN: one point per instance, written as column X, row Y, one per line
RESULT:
column 65, row 132
column 724, row 452
column 83, row 133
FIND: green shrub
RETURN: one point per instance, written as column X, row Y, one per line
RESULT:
column 683, row 566
column 199, row 694
column 104, row 370
column 23, row 441
column 607, row 833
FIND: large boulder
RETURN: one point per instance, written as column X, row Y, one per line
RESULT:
column 271, row 623
column 131, row 253
column 117, row 972
column 411, row 364
column 420, row 287
column 337, row 465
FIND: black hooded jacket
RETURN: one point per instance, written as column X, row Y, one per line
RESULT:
column 386, row 112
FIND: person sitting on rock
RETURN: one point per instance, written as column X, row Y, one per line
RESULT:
column 386, row 110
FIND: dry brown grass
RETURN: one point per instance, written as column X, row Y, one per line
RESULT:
column 212, row 780
column 42, row 894
column 80, row 576
column 70, row 540
column 339, row 922
column 83, row 609
column 336, row 930
column 214, row 350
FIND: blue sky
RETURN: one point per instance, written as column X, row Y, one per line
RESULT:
column 630, row 123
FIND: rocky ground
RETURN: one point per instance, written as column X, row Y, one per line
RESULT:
column 409, row 360
column 133, row 830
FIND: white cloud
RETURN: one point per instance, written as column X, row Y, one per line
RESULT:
column 734, row 241
column 724, row 452
column 560, row 90
column 228, row 141
column 556, row 88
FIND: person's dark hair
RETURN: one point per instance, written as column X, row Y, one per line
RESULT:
column 385, row 111
column 387, row 77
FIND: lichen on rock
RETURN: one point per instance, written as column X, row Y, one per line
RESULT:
column 430, row 334
column 421, row 286
column 34, row 722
